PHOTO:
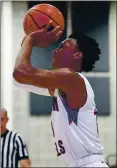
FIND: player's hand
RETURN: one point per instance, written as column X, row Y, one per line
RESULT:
column 43, row 37
column 23, row 40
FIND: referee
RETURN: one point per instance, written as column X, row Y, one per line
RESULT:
column 13, row 147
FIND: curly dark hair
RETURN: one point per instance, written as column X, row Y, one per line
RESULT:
column 89, row 48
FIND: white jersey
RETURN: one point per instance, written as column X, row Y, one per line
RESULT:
column 75, row 131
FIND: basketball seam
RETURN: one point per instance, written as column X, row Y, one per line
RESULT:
column 46, row 15
column 26, row 26
column 34, row 21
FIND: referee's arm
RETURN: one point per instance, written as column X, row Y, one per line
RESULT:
column 22, row 151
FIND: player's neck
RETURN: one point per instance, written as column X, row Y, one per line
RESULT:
column 76, row 67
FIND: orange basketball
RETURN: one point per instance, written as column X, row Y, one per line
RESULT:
column 38, row 17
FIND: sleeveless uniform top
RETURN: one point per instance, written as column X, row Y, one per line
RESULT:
column 75, row 130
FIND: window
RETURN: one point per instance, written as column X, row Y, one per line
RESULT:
column 92, row 18
column 100, row 87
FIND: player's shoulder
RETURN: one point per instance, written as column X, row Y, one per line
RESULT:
column 67, row 75
column 61, row 70
column 67, row 72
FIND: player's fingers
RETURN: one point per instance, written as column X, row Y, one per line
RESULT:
column 48, row 26
column 23, row 40
column 56, row 37
column 59, row 34
column 55, row 31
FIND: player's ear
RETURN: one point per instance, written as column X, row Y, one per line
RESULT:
column 78, row 55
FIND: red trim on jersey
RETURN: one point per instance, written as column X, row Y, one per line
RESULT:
column 95, row 112
column 70, row 122
column 52, row 129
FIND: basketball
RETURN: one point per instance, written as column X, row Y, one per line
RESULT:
column 39, row 16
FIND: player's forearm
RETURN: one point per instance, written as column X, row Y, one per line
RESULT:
column 23, row 57
column 23, row 65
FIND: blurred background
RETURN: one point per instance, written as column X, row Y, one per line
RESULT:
column 30, row 113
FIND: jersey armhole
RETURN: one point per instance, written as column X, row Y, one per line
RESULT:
column 89, row 90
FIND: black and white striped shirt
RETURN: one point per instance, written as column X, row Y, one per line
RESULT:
column 13, row 149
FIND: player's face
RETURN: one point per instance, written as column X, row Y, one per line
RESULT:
column 63, row 55
column 4, row 121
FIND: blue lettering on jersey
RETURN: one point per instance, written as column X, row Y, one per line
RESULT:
column 72, row 113
column 55, row 104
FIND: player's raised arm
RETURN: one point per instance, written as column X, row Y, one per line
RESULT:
column 59, row 78
column 24, row 72
column 41, row 38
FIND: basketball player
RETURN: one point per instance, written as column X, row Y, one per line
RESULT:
column 74, row 121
